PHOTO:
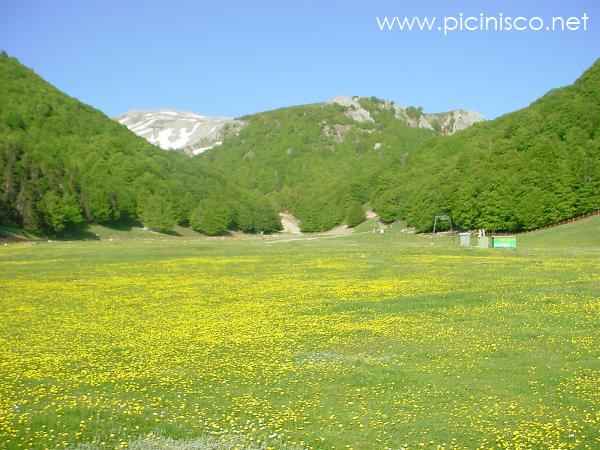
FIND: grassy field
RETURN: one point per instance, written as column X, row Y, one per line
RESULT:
column 365, row 341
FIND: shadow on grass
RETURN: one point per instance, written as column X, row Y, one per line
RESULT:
column 169, row 233
column 79, row 233
column 123, row 225
column 127, row 225
column 11, row 234
column 84, row 232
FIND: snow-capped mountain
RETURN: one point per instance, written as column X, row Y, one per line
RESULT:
column 182, row 131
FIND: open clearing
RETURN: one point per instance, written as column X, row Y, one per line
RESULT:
column 366, row 341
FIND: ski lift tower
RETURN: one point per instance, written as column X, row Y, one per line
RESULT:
column 441, row 218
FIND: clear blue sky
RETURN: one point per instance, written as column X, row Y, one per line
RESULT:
column 236, row 57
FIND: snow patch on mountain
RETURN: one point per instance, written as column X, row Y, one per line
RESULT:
column 181, row 131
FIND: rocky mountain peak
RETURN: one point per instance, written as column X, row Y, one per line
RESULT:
column 445, row 123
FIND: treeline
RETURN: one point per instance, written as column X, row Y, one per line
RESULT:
column 63, row 164
column 522, row 171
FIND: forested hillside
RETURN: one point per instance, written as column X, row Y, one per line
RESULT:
column 63, row 163
column 525, row 170
column 315, row 160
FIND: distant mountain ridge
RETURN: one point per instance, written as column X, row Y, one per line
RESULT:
column 194, row 134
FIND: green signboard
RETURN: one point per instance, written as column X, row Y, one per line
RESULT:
column 504, row 242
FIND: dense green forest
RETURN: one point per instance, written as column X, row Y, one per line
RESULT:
column 315, row 161
column 64, row 164
column 522, row 171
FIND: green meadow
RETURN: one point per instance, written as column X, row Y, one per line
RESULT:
column 366, row 341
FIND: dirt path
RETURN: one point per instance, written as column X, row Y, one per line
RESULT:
column 290, row 224
column 312, row 237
